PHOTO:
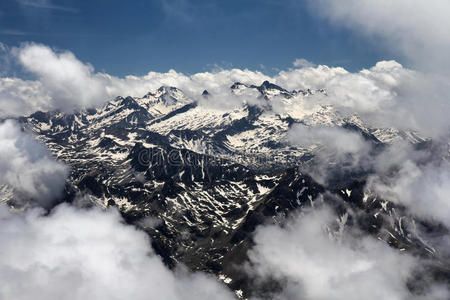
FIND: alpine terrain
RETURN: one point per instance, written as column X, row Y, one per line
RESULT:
column 199, row 178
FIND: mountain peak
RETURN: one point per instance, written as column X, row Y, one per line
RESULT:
column 167, row 89
column 266, row 85
column 130, row 102
column 237, row 85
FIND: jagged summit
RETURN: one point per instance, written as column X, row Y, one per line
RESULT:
column 266, row 85
column 269, row 90
column 129, row 102
column 167, row 89
column 238, row 86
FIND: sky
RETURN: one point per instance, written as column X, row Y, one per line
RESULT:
column 190, row 36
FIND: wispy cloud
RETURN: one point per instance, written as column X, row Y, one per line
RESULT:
column 13, row 32
column 303, row 63
column 48, row 5
column 179, row 9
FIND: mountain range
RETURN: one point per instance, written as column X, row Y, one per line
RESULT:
column 200, row 176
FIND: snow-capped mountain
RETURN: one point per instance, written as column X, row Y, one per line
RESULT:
column 199, row 177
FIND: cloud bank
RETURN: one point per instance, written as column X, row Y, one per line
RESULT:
column 78, row 254
column 69, row 82
column 417, row 179
column 315, row 256
column 387, row 94
column 334, row 148
column 416, row 29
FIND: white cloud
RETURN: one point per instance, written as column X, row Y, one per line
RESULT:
column 65, row 83
column 389, row 95
column 366, row 91
column 78, row 254
column 302, row 79
column 421, row 181
column 303, row 63
column 417, row 29
column 22, row 97
column 417, row 179
column 386, row 95
column 27, row 166
column 338, row 139
column 70, row 83
column 316, row 265
column 334, row 146
column 5, row 59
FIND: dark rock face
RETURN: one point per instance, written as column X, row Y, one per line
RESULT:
column 210, row 181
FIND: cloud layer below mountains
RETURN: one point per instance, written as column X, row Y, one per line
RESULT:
column 316, row 256
column 78, row 254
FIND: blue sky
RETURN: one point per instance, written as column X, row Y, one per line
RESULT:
column 134, row 37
